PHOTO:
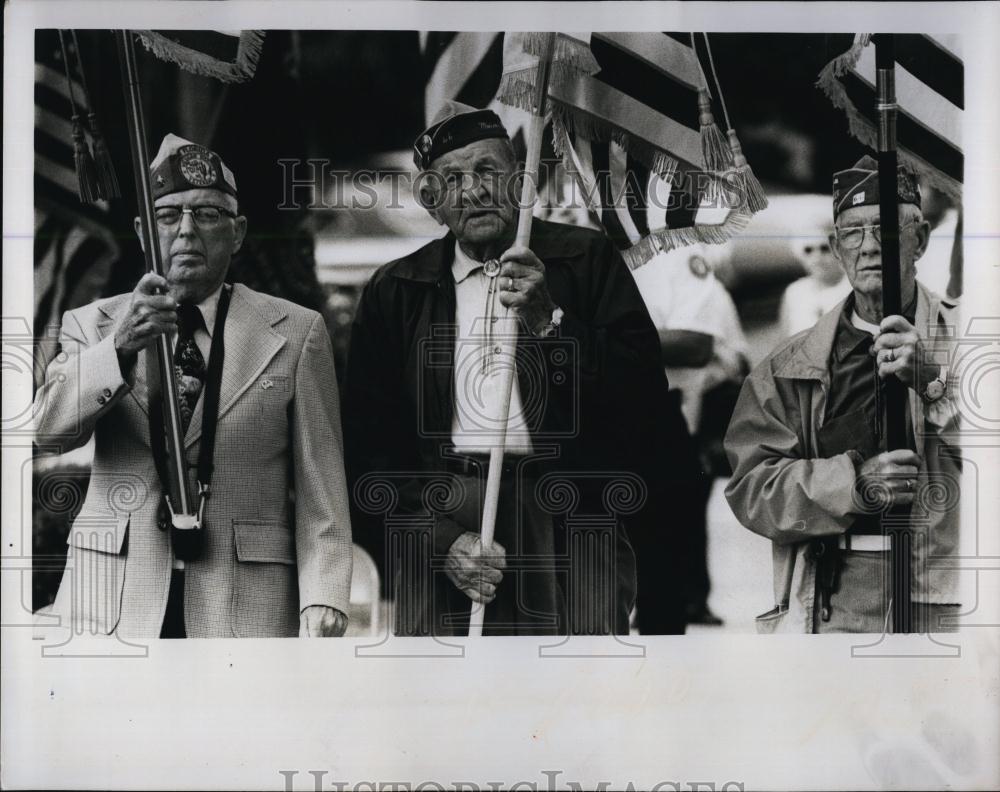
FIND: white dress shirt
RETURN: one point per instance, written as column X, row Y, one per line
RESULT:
column 477, row 391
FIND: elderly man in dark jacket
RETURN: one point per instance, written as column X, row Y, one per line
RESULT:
column 421, row 400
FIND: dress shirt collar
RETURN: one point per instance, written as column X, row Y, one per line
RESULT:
column 850, row 335
column 463, row 265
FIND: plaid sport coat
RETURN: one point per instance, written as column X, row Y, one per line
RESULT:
column 277, row 525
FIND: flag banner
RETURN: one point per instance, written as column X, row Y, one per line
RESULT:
column 74, row 245
column 630, row 114
column 930, row 94
column 226, row 55
column 467, row 67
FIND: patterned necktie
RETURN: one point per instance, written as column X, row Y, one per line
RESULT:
column 189, row 363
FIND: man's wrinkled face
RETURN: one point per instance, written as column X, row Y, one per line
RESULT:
column 198, row 245
column 856, row 241
column 471, row 190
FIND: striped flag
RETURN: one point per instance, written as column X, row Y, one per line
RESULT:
column 74, row 245
column 467, row 67
column 931, row 98
column 632, row 134
column 226, row 55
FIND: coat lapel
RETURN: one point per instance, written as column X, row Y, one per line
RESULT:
column 251, row 342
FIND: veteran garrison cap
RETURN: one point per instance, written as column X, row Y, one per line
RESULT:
column 858, row 186
column 181, row 165
column 455, row 125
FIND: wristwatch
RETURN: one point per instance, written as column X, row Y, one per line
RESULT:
column 553, row 325
column 935, row 389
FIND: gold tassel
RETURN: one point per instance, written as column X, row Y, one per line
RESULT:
column 749, row 187
column 715, row 152
column 86, row 172
column 107, row 178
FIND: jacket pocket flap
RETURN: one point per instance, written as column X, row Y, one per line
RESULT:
column 768, row 623
column 103, row 534
column 260, row 541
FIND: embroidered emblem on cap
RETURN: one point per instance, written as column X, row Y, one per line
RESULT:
column 197, row 167
column 160, row 180
column 858, row 198
column 425, row 144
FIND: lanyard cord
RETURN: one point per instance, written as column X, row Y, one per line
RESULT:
column 210, row 411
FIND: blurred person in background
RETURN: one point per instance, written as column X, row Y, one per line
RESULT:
column 940, row 268
column 824, row 285
column 704, row 354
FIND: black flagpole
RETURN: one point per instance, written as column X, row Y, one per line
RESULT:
column 184, row 513
column 896, row 522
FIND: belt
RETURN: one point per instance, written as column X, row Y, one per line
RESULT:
column 478, row 464
column 867, row 543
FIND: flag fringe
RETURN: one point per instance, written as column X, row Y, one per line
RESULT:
column 667, row 239
column 248, row 53
column 569, row 123
column 866, row 133
column 846, row 61
column 715, row 151
column 569, row 54
column 88, row 187
column 750, row 189
column 107, row 179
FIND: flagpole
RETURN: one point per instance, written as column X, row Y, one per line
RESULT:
column 895, row 523
column 508, row 339
column 183, row 507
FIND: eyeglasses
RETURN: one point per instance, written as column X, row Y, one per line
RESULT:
column 852, row 237
column 203, row 216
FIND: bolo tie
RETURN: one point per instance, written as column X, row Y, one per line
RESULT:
column 491, row 269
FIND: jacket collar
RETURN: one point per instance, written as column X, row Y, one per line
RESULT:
column 251, row 341
column 807, row 356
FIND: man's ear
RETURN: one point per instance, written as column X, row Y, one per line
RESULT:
column 831, row 238
column 138, row 232
column 239, row 232
column 923, row 232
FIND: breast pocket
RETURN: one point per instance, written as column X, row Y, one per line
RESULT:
column 265, row 585
column 95, row 573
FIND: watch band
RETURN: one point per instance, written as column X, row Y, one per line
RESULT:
column 936, row 388
column 554, row 322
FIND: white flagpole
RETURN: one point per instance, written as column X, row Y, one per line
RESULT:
column 508, row 340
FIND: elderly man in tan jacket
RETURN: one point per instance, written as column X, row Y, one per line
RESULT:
column 276, row 554
column 807, row 445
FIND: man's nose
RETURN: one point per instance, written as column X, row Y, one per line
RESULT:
column 186, row 225
column 476, row 189
column 871, row 246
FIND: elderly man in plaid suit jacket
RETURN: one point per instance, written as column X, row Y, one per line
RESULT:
column 276, row 551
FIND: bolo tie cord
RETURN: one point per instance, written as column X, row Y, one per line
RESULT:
column 491, row 269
